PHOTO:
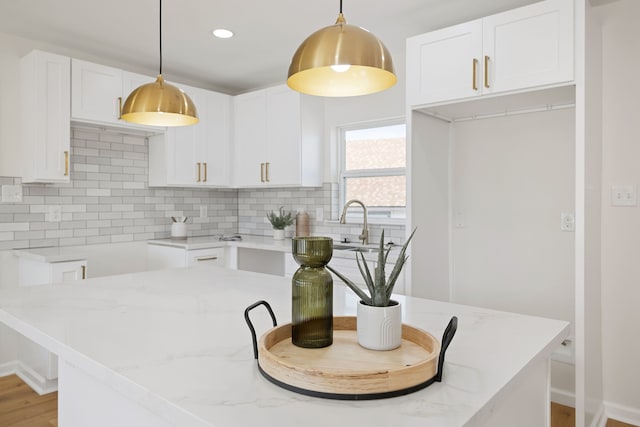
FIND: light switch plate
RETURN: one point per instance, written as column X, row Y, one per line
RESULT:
column 11, row 193
column 623, row 195
column 203, row 211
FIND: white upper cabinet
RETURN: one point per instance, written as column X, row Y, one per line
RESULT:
column 520, row 49
column 196, row 155
column 96, row 92
column 277, row 139
column 46, row 106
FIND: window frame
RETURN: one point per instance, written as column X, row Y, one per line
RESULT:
column 399, row 214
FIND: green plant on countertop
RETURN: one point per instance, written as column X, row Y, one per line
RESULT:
column 380, row 288
column 281, row 219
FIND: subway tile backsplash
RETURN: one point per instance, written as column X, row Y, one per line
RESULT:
column 253, row 206
column 108, row 201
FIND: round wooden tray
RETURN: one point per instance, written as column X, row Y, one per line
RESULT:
column 345, row 370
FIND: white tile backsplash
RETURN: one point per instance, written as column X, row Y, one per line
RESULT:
column 108, row 201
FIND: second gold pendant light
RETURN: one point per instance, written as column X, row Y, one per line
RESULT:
column 159, row 103
column 341, row 60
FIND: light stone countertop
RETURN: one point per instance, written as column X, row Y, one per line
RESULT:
column 263, row 243
column 175, row 342
column 54, row 254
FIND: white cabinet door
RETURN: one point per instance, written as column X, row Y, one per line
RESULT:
column 184, row 165
column 38, row 364
column 215, row 150
column 283, row 137
column 96, row 91
column 46, row 107
column 70, row 271
column 445, row 64
column 530, row 46
column 250, row 139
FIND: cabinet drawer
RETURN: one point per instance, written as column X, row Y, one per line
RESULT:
column 212, row 256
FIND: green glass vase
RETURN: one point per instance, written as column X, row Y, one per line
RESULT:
column 312, row 293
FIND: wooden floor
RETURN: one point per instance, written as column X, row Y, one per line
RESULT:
column 564, row 416
column 22, row 407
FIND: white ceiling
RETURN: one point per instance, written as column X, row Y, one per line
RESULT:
column 267, row 32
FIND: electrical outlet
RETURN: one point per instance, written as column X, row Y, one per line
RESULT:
column 458, row 220
column 12, row 193
column 567, row 222
column 623, row 195
column 55, row 214
column 203, row 211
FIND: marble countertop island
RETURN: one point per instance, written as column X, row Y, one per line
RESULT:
column 171, row 348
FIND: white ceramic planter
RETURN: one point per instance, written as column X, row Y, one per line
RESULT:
column 278, row 234
column 379, row 328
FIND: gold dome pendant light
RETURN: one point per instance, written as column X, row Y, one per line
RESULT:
column 159, row 103
column 341, row 60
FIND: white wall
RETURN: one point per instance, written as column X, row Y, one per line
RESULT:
column 512, row 178
column 621, row 226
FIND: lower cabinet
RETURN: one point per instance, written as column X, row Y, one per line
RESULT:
column 161, row 257
column 38, row 366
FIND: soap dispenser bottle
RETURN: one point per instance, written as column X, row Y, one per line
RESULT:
column 302, row 224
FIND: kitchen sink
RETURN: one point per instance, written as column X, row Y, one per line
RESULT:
column 354, row 248
column 341, row 247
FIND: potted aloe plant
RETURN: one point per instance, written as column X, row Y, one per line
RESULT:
column 379, row 319
column 279, row 221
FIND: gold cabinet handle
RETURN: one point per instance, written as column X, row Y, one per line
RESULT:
column 486, row 71
column 205, row 172
column 261, row 172
column 207, row 258
column 119, row 108
column 474, row 83
column 267, row 170
column 66, row 163
column 198, row 180
column 84, row 271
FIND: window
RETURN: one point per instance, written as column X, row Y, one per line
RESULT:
column 373, row 170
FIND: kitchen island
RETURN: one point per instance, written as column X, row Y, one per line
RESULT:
column 171, row 348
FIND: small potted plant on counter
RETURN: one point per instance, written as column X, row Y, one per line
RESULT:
column 279, row 221
column 379, row 318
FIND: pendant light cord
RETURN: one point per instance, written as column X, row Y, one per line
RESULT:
column 160, row 30
column 340, row 6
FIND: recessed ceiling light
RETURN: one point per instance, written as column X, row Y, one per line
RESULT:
column 221, row 33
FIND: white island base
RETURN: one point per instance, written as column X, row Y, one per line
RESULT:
column 171, row 349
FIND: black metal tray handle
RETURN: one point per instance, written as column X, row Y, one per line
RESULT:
column 447, row 337
column 252, row 329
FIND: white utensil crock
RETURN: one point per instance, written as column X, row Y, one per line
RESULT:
column 179, row 230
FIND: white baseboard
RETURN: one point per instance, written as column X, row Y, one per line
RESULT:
column 626, row 414
column 38, row 383
column 563, row 397
column 600, row 417
column 8, row 368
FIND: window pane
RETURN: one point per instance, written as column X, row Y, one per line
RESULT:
column 381, row 191
column 375, row 148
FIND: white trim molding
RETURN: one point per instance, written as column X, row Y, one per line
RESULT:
column 8, row 368
column 625, row 414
